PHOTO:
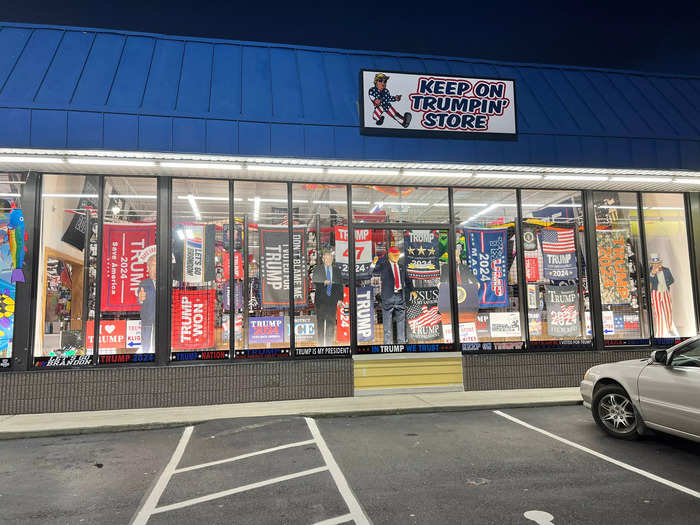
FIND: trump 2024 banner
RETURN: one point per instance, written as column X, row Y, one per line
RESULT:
column 422, row 253
column 486, row 253
column 122, row 267
column 400, row 103
column 363, row 250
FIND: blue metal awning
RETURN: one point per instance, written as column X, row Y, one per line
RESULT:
column 100, row 89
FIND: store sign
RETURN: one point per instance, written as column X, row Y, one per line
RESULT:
column 405, row 104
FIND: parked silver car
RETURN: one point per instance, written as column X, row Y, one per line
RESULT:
column 661, row 393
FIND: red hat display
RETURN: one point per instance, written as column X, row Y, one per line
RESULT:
column 394, row 249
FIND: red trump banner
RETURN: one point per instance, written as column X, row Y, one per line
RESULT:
column 122, row 267
column 112, row 335
column 193, row 319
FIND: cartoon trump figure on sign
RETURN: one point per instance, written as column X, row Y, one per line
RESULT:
column 382, row 99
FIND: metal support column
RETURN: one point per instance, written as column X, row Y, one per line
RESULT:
column 522, row 281
column 231, row 248
column 98, row 266
column 352, row 290
column 164, row 280
column 453, row 262
column 589, row 229
column 290, row 240
column 26, row 292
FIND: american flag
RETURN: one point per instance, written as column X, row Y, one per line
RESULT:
column 423, row 316
column 557, row 241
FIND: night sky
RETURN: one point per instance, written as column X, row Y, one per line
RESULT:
column 660, row 36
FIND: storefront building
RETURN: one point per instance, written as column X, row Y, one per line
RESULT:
column 194, row 221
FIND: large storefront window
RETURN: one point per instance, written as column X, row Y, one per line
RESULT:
column 201, row 270
column 64, row 332
column 13, row 241
column 398, row 293
column 622, row 278
column 558, row 307
column 262, row 305
column 487, row 296
column 128, row 271
column 670, row 288
column 320, row 242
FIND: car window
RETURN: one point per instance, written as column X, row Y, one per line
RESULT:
column 688, row 355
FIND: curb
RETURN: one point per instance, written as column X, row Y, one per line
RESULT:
column 73, row 431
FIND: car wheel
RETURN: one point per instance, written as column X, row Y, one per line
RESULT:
column 614, row 412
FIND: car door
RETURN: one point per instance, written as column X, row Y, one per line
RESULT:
column 669, row 395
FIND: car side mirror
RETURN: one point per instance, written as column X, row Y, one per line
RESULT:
column 659, row 356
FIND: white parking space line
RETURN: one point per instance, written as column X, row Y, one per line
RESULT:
column 587, row 450
column 244, row 456
column 356, row 511
column 334, row 521
column 149, row 505
column 224, row 493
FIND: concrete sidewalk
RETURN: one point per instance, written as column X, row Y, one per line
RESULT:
column 66, row 423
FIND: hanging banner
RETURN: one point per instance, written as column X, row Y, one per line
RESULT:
column 558, row 253
column 562, row 311
column 274, row 267
column 529, row 233
column 263, row 330
column 237, row 265
column 363, row 251
column 75, row 233
column 532, row 267
column 422, row 254
column 342, row 316
column 365, row 316
column 194, row 250
column 193, row 319
column 424, row 320
column 124, row 265
column 404, row 104
column 612, row 264
column 486, row 253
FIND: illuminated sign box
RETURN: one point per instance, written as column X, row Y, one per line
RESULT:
column 403, row 104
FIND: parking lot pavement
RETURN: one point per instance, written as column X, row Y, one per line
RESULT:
column 665, row 455
column 481, row 468
column 96, row 478
column 456, row 467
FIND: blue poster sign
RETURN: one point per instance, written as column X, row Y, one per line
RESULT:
column 486, row 254
column 263, row 330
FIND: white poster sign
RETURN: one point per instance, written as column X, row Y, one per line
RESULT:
column 133, row 335
column 363, row 249
column 505, row 324
column 400, row 103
